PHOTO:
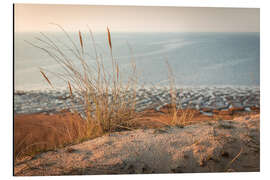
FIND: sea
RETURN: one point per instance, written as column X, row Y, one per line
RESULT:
column 196, row 59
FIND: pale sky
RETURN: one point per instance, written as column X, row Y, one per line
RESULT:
column 31, row 17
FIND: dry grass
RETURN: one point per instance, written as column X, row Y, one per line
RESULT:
column 40, row 132
column 109, row 104
column 179, row 116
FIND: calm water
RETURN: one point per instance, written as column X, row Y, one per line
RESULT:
column 197, row 59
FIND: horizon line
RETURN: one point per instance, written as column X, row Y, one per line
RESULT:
column 87, row 31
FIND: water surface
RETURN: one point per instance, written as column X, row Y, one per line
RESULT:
column 197, row 59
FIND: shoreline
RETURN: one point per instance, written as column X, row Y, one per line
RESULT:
column 147, row 87
column 205, row 100
column 47, row 130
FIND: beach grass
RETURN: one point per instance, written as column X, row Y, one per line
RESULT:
column 109, row 103
column 103, row 94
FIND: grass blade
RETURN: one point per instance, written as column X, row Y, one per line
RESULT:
column 81, row 41
column 70, row 89
column 46, row 78
column 109, row 38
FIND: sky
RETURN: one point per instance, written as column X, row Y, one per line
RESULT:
column 37, row 17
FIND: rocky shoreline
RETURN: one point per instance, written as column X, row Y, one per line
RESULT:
column 206, row 100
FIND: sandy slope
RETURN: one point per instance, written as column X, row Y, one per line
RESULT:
column 204, row 147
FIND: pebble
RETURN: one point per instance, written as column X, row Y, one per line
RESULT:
column 210, row 98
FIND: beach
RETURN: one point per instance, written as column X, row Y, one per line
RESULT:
column 205, row 99
column 47, row 122
column 130, row 90
column 203, row 118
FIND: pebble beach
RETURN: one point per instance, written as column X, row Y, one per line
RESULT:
column 203, row 99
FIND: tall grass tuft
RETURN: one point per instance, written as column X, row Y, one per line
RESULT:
column 179, row 116
column 109, row 104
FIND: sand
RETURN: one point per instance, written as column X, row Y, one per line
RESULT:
column 213, row 146
column 42, row 131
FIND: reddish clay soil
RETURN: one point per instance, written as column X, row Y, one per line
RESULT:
column 216, row 146
column 39, row 132
column 156, row 119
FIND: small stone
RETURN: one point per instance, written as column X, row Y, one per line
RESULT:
column 225, row 112
column 207, row 113
column 254, row 108
column 225, row 154
column 207, row 109
column 70, row 150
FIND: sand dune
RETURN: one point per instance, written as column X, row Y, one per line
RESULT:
column 217, row 146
